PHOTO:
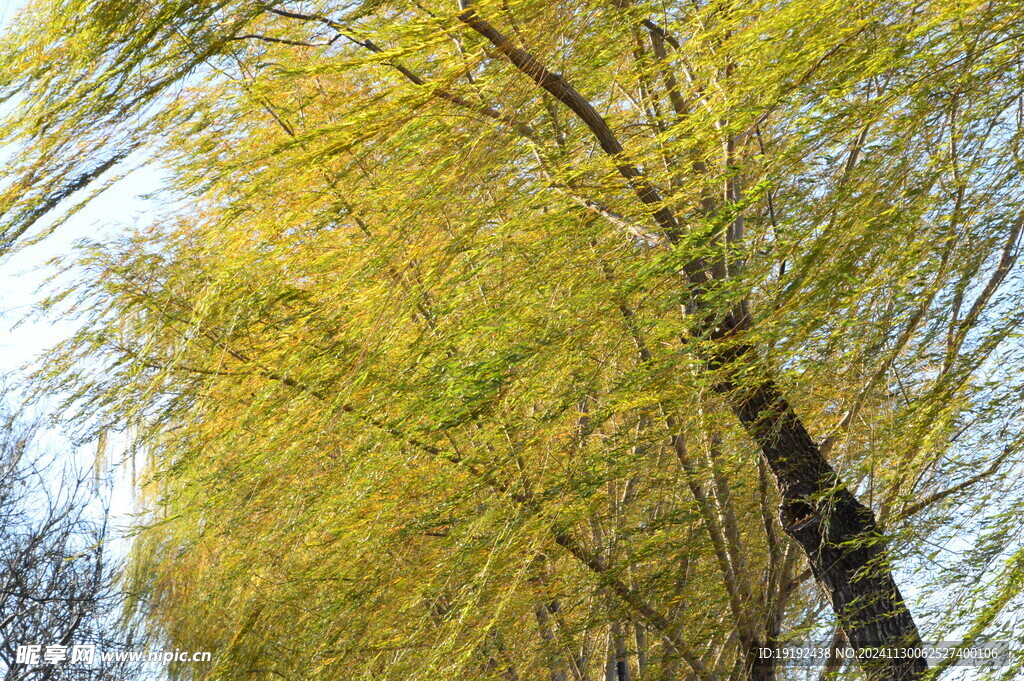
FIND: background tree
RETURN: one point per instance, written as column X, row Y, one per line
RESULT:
column 57, row 579
column 561, row 339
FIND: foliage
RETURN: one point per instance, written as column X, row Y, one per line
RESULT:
column 419, row 360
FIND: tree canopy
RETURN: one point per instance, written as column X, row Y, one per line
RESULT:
column 523, row 339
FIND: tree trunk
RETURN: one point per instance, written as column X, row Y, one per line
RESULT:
column 844, row 547
column 838, row 534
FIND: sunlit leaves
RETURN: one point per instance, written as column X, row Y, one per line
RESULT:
column 406, row 372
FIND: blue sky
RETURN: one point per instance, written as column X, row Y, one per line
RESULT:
column 25, row 336
column 25, row 271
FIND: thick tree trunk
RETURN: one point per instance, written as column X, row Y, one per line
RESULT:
column 838, row 534
column 844, row 547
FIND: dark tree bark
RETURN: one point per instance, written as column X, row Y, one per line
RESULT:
column 839, row 535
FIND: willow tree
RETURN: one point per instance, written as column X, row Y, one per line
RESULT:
column 515, row 338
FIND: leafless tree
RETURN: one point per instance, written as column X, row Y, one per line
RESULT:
column 57, row 575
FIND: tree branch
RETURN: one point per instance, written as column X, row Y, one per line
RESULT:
column 564, row 92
